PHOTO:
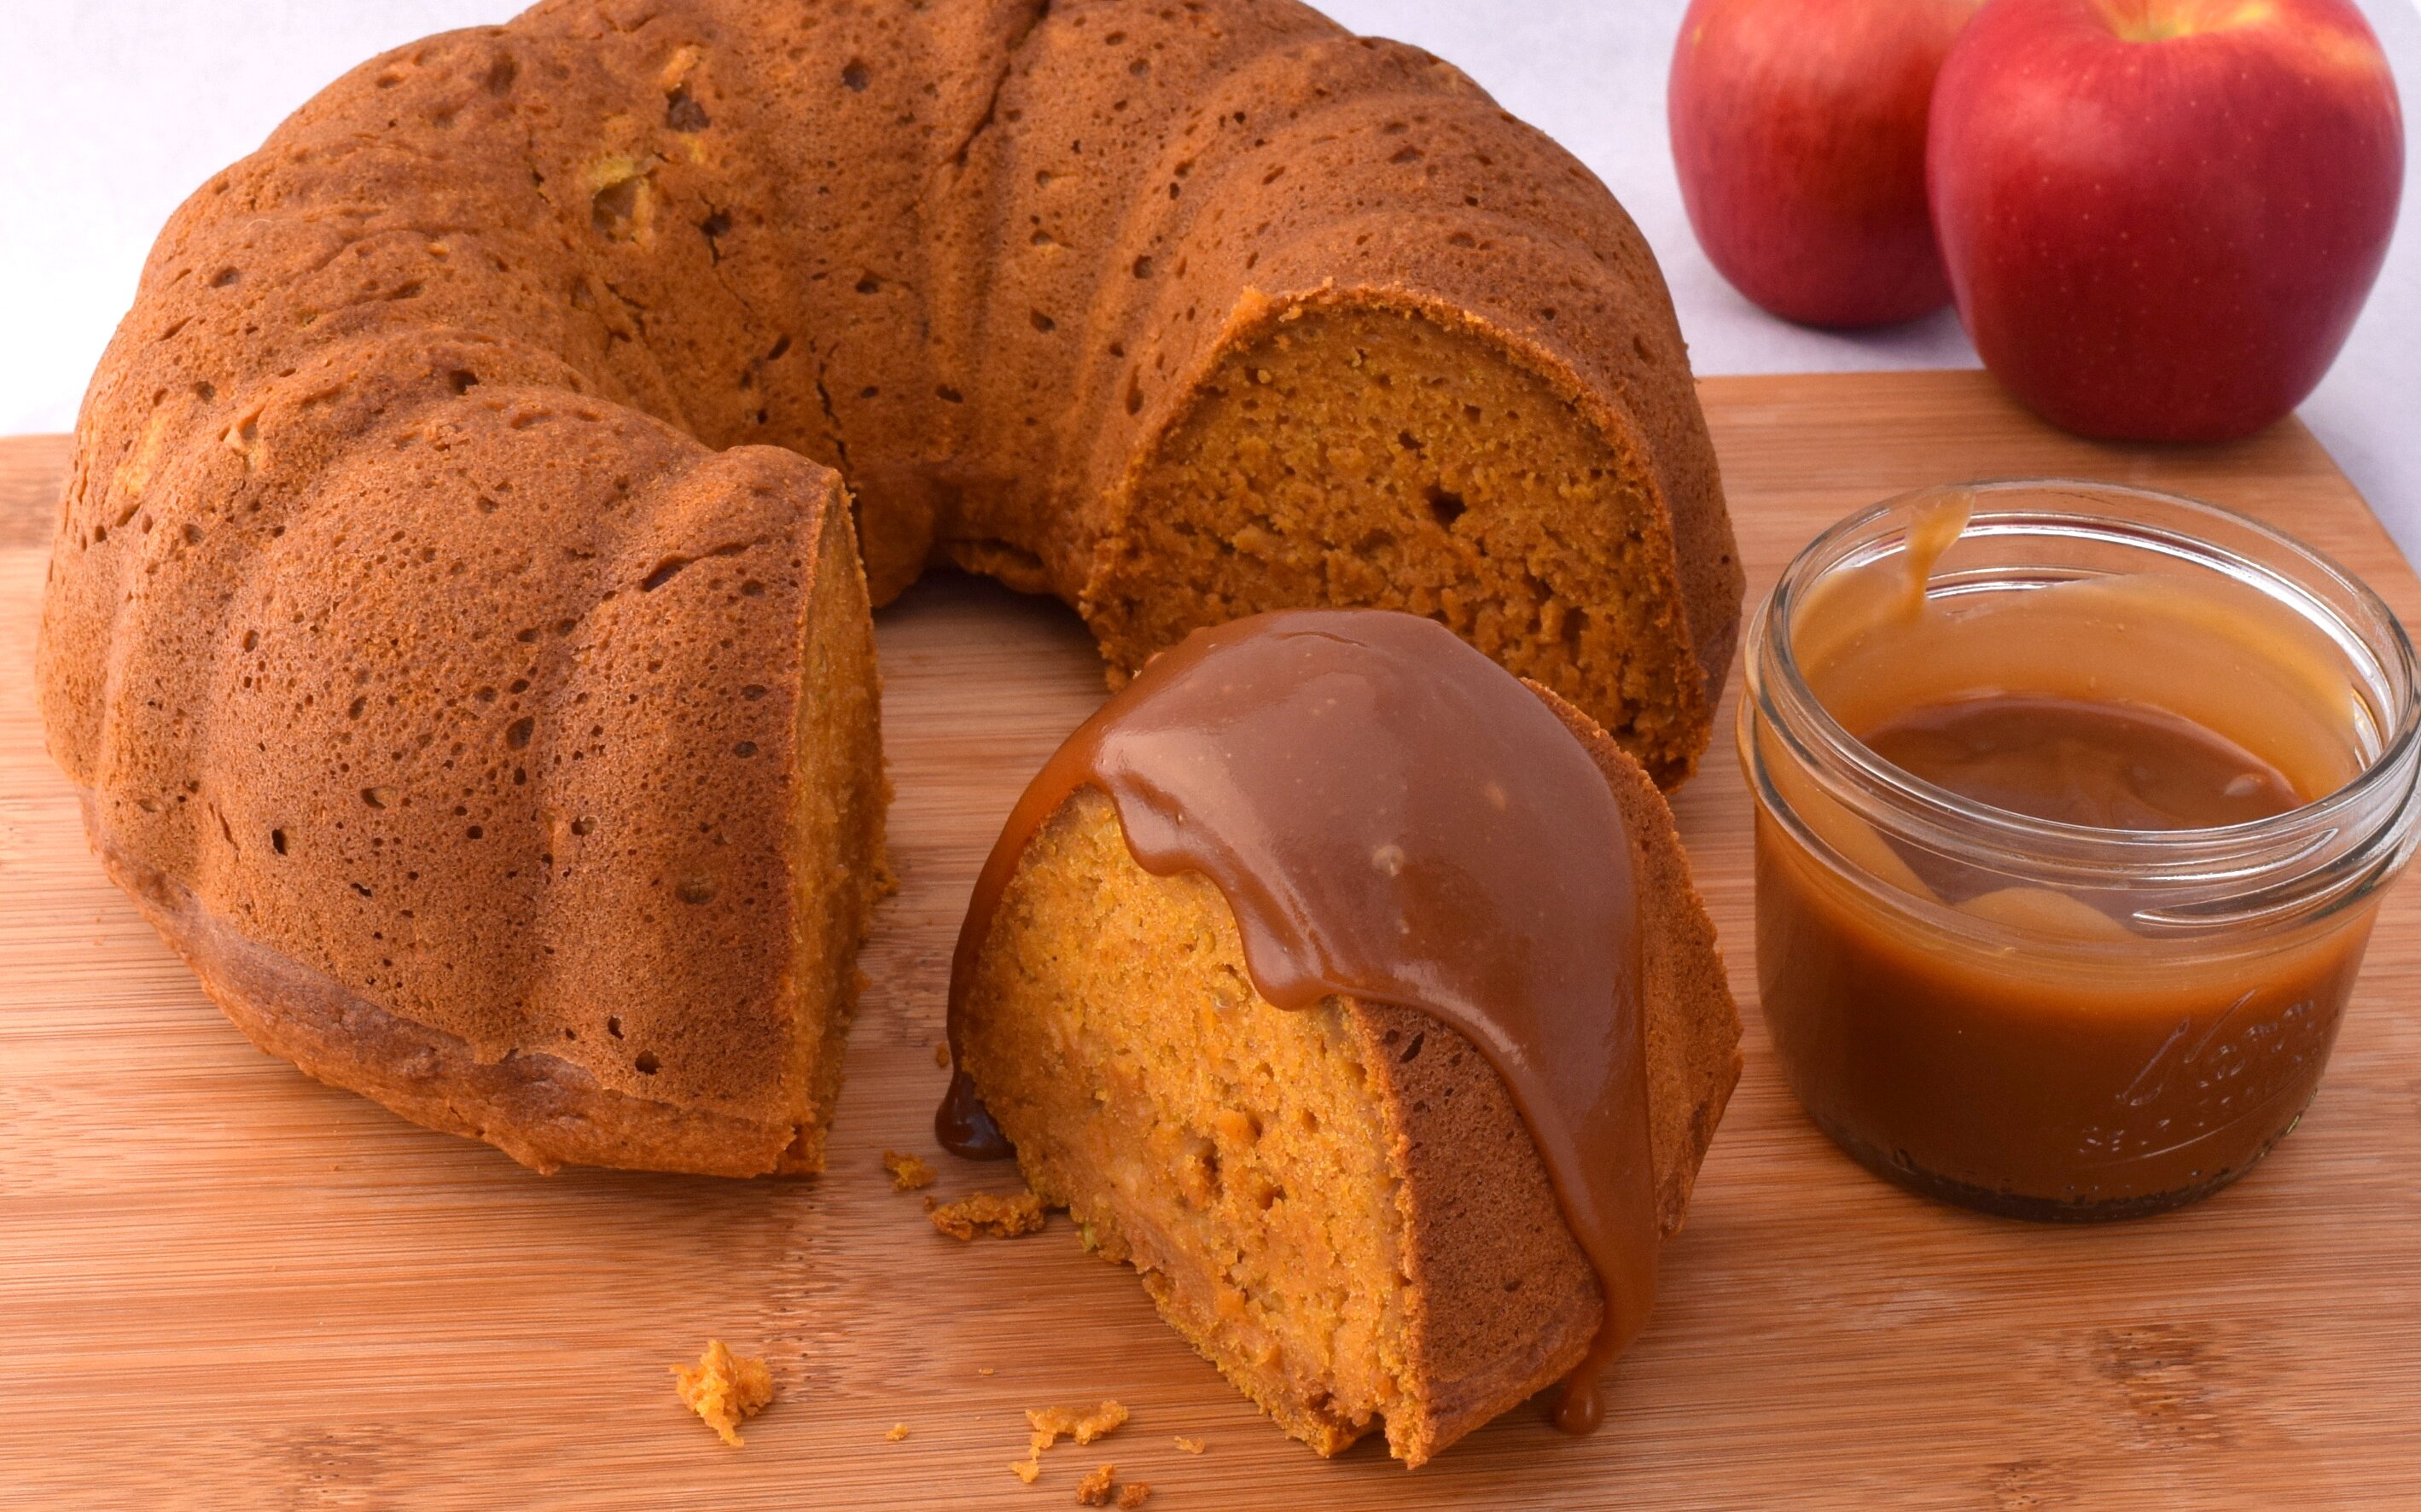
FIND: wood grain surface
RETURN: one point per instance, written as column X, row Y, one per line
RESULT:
column 223, row 1285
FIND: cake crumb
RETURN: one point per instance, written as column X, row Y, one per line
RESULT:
column 1094, row 1490
column 1133, row 1494
column 1192, row 1446
column 983, row 1370
column 988, row 1212
column 942, row 1057
column 909, row 1173
column 899, row 1431
column 1051, row 1424
column 1084, row 1425
column 724, row 1388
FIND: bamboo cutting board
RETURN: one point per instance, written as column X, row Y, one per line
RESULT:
column 222, row 1285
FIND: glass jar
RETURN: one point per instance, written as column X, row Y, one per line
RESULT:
column 2042, row 1018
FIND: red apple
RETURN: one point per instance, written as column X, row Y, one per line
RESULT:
column 1799, row 133
column 2161, row 216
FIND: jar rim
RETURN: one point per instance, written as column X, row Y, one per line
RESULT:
column 2380, row 652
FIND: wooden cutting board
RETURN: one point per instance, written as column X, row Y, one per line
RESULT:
column 222, row 1285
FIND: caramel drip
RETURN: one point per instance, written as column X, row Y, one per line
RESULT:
column 1392, row 819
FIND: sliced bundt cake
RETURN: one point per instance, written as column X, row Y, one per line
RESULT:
column 1360, row 998
column 490, row 716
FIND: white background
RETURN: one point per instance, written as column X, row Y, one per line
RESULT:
column 115, row 109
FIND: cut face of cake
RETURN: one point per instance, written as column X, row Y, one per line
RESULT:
column 1347, row 453
column 1380, row 1162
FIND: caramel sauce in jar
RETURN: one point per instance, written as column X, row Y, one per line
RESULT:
column 2074, row 806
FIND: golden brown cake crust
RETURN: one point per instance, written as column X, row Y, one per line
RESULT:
column 542, row 1111
column 467, row 460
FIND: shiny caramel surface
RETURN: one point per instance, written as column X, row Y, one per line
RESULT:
column 2103, row 765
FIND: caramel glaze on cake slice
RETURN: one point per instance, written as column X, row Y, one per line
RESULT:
column 1326, row 976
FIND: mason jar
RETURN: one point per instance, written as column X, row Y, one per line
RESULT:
column 2045, row 1018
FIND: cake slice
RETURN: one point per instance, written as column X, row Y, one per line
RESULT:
column 1342, row 1205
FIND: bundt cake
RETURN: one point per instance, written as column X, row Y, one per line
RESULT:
column 1361, row 1000
column 457, row 626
